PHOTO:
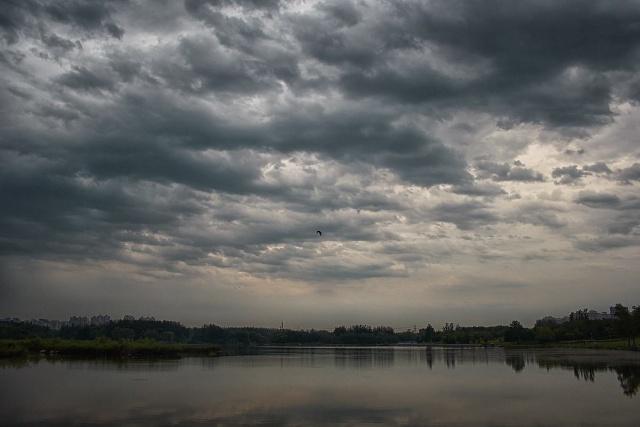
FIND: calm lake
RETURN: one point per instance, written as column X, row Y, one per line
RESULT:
column 331, row 386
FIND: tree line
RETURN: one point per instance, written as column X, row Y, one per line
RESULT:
column 625, row 325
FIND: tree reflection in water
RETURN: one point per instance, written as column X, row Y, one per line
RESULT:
column 584, row 364
column 628, row 375
column 516, row 361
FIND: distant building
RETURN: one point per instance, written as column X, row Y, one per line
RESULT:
column 40, row 322
column 78, row 321
column 51, row 324
column 56, row 324
column 591, row 315
column 100, row 320
column 594, row 315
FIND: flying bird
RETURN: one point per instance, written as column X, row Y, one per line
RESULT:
column 319, row 232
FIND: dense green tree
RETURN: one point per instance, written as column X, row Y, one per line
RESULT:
column 516, row 333
column 428, row 334
column 578, row 326
column 635, row 314
column 544, row 334
column 340, row 330
column 123, row 334
column 624, row 322
column 22, row 330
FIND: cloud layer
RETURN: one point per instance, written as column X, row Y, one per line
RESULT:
column 434, row 144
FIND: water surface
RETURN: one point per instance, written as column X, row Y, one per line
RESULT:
column 330, row 386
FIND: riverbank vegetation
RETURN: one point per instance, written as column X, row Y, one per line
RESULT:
column 607, row 344
column 102, row 347
column 153, row 337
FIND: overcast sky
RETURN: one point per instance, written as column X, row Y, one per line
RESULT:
column 466, row 161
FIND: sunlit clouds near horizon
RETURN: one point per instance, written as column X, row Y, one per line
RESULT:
column 465, row 161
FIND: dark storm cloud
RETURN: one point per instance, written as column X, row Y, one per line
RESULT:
column 85, row 14
column 21, row 17
column 230, row 28
column 211, row 171
column 227, row 134
column 197, row 6
column 344, row 11
column 104, row 200
column 54, row 41
column 83, row 79
column 127, row 67
column 67, row 199
column 14, row 16
column 531, row 61
column 114, row 30
column 506, row 172
column 58, row 112
column 349, row 135
column 201, row 65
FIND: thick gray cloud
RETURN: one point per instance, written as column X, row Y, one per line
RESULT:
column 506, row 172
column 187, row 141
column 627, row 209
column 598, row 200
column 631, row 173
column 478, row 189
column 572, row 174
column 20, row 18
column 605, row 243
column 466, row 215
column 83, row 79
column 543, row 214
column 530, row 61
column 568, row 174
column 598, row 167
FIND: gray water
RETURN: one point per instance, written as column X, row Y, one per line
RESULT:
column 330, row 386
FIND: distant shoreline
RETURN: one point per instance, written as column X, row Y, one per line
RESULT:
column 103, row 348
column 131, row 349
column 608, row 344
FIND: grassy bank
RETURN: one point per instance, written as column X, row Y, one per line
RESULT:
column 102, row 348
